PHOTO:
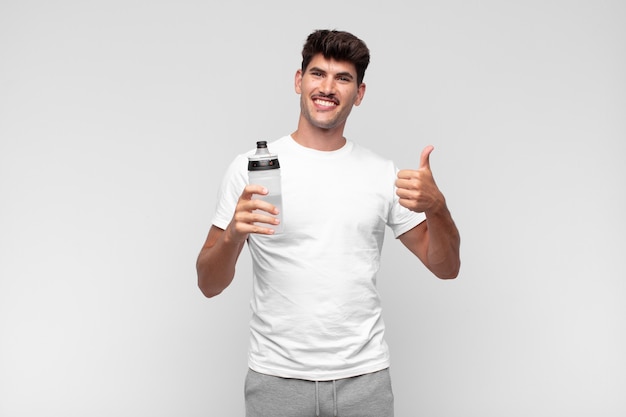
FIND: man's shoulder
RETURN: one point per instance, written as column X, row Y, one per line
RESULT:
column 364, row 153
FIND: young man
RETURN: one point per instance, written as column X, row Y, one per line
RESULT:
column 316, row 341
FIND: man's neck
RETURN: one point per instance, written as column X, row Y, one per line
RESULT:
column 319, row 139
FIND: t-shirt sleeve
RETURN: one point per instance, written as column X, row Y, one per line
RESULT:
column 233, row 183
column 401, row 219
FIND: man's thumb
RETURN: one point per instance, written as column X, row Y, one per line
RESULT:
column 425, row 158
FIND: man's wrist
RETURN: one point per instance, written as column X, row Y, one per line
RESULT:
column 438, row 209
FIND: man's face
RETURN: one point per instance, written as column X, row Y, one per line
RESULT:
column 328, row 89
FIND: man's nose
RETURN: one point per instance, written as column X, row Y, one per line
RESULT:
column 327, row 86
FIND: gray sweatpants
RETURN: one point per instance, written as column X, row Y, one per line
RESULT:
column 368, row 395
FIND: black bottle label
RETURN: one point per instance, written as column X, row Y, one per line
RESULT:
column 263, row 164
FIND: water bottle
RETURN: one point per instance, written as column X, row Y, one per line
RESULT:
column 264, row 169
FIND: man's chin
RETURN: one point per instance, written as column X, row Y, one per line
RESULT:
column 326, row 124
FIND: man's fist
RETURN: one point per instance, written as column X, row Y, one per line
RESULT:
column 417, row 189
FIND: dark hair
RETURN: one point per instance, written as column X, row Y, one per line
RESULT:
column 338, row 45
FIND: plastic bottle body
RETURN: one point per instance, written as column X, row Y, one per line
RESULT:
column 264, row 169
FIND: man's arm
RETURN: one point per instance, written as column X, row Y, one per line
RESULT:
column 436, row 241
column 216, row 262
column 217, row 259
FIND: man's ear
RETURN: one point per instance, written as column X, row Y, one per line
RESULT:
column 360, row 94
column 298, row 81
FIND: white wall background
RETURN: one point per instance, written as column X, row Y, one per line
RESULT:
column 117, row 119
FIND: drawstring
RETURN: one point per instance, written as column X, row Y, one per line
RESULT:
column 317, row 399
column 334, row 399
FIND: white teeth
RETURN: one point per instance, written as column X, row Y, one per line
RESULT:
column 325, row 103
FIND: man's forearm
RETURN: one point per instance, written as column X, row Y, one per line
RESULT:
column 216, row 262
column 443, row 244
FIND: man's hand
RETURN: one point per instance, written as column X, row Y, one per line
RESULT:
column 218, row 256
column 417, row 189
column 250, row 213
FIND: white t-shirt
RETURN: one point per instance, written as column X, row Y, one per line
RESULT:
column 316, row 312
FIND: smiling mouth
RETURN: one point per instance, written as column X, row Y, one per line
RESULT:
column 325, row 102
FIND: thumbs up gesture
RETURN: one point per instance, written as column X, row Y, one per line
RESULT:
column 417, row 189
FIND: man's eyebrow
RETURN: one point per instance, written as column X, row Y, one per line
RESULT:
column 316, row 69
column 345, row 74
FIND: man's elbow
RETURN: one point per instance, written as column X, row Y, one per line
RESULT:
column 449, row 276
column 207, row 286
column 209, row 292
column 451, row 272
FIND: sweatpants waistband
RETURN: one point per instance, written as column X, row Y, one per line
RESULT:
column 368, row 395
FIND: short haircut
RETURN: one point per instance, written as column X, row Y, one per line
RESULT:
column 337, row 45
